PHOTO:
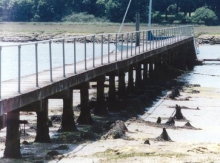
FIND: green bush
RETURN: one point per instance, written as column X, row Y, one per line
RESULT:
column 206, row 15
column 171, row 9
column 83, row 17
column 156, row 17
column 182, row 19
column 36, row 18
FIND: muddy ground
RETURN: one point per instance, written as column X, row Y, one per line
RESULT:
column 139, row 143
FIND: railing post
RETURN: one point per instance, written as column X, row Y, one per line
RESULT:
column 170, row 35
column 127, row 45
column 165, row 36
column 156, row 39
column 192, row 31
column 177, row 34
column 50, row 51
column 135, row 51
column 122, row 48
column 182, row 30
column 139, row 42
column 64, row 70
column 19, row 68
column 108, row 48
column 0, row 72
column 36, row 64
column 85, row 53
column 102, row 50
column 148, row 33
column 74, row 44
column 159, row 33
column 146, row 39
column 116, row 46
column 93, row 50
column 131, row 42
column 152, row 40
column 143, row 41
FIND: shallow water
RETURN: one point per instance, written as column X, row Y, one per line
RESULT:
column 207, row 75
column 9, row 56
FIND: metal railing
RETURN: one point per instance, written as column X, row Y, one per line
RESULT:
column 94, row 50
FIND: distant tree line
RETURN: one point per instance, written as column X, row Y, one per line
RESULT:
column 164, row 11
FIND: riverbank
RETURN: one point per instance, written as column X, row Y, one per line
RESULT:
column 36, row 31
column 187, row 145
column 199, row 144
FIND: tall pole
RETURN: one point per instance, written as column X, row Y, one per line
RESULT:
column 137, row 29
column 149, row 17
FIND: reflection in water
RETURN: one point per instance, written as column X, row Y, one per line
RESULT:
column 207, row 75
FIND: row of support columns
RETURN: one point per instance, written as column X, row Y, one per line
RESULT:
column 146, row 72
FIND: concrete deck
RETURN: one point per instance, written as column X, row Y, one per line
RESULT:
column 12, row 100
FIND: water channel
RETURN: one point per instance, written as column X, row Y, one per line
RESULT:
column 10, row 56
column 206, row 75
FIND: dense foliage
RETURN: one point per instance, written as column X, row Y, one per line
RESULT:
column 164, row 11
column 204, row 15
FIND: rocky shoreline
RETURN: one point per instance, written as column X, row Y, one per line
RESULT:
column 43, row 36
column 208, row 39
column 33, row 37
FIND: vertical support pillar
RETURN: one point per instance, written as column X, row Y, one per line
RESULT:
column 138, row 79
column 156, row 72
column 121, row 85
column 12, row 144
column 42, row 134
column 169, row 62
column 130, row 79
column 145, row 74
column 85, row 115
column 151, row 71
column 160, row 72
column 101, row 108
column 112, row 91
column 68, row 123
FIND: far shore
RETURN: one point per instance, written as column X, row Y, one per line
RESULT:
column 35, row 31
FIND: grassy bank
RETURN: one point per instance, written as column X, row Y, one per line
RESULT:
column 87, row 28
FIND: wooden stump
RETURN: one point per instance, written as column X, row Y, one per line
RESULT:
column 164, row 136
column 178, row 114
column 117, row 130
column 170, row 122
column 158, row 120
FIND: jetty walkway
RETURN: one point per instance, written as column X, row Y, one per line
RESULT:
column 140, row 54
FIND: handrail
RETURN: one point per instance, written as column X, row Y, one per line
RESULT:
column 78, row 37
column 98, row 54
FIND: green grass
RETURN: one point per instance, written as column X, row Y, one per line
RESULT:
column 111, row 155
column 87, row 28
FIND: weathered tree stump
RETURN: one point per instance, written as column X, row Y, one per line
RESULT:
column 147, row 142
column 164, row 136
column 174, row 93
column 178, row 114
column 117, row 130
column 170, row 122
column 158, row 120
column 189, row 126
